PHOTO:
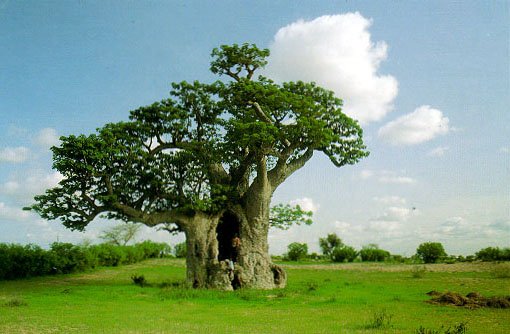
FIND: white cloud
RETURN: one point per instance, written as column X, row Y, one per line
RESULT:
column 390, row 200
column 505, row 150
column 14, row 154
column 25, row 187
column 385, row 176
column 47, row 138
column 306, row 203
column 423, row 124
column 336, row 52
column 12, row 214
column 396, row 214
column 438, row 151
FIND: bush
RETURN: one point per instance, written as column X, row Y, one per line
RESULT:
column 343, row 253
column 372, row 253
column 180, row 250
column 430, row 252
column 493, row 254
column 69, row 258
column 153, row 250
column 18, row 261
column 296, row 251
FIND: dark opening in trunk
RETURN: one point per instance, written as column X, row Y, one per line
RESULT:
column 227, row 230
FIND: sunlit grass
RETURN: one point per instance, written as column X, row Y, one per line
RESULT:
column 318, row 299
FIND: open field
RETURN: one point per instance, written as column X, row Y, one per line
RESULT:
column 325, row 298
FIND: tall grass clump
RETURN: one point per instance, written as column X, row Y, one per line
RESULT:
column 380, row 320
column 460, row 328
column 418, row 271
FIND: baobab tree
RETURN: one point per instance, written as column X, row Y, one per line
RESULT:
column 206, row 161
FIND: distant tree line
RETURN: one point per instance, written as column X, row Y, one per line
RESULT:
column 335, row 250
column 24, row 261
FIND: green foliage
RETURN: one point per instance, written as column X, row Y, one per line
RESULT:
column 372, row 253
column 493, row 254
column 343, row 253
column 284, row 216
column 70, row 258
column 18, row 261
column 329, row 243
column 199, row 149
column 296, row 251
column 430, row 252
column 180, row 250
column 234, row 60
column 121, row 234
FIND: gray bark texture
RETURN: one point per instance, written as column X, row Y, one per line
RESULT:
column 252, row 265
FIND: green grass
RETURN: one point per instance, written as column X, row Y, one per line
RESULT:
column 340, row 298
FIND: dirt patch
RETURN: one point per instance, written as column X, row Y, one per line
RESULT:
column 471, row 300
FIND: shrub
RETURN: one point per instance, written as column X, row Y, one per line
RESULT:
column 373, row 253
column 296, row 251
column 139, row 280
column 109, row 255
column 343, row 253
column 430, row 252
column 69, row 258
column 153, row 249
column 493, row 254
column 418, row 271
column 180, row 250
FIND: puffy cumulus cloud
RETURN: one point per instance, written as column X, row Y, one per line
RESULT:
column 423, row 124
column 46, row 138
column 14, row 154
column 12, row 213
column 385, row 176
column 336, row 52
column 24, row 188
column 438, row 151
column 306, row 203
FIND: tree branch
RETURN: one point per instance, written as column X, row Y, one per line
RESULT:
column 283, row 170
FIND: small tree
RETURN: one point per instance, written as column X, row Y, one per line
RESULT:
column 329, row 243
column 430, row 252
column 343, row 253
column 121, row 234
column 297, row 251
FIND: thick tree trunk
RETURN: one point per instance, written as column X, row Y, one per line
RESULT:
column 258, row 271
column 213, row 262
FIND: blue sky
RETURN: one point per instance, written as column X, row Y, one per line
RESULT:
column 429, row 82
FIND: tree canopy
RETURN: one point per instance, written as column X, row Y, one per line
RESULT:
column 203, row 149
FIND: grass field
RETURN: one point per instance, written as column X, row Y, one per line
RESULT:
column 345, row 298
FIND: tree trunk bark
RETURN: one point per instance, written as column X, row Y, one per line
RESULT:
column 251, row 267
column 257, row 270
